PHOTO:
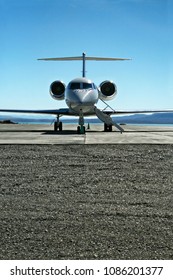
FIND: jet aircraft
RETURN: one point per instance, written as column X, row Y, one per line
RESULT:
column 81, row 96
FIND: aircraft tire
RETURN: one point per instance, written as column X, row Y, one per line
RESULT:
column 110, row 128
column 78, row 129
column 55, row 126
column 106, row 127
column 60, row 126
column 81, row 130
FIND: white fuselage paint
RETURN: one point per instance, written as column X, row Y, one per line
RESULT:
column 81, row 95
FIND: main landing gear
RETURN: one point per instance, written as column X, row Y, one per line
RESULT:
column 107, row 127
column 57, row 125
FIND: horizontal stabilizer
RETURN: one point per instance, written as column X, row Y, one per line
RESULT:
column 86, row 58
column 83, row 57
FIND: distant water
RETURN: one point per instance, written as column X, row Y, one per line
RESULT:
column 155, row 119
column 48, row 122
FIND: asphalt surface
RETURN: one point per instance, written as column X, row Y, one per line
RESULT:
column 43, row 134
column 86, row 202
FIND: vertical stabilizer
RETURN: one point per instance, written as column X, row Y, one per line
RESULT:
column 83, row 67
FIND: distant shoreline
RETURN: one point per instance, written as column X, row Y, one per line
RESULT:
column 133, row 119
column 68, row 121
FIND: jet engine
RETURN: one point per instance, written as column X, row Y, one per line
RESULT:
column 57, row 90
column 107, row 90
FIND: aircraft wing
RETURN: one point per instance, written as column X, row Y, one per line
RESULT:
column 67, row 112
column 124, row 112
column 63, row 111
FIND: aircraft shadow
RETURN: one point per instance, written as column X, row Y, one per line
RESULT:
column 64, row 132
column 147, row 131
column 73, row 132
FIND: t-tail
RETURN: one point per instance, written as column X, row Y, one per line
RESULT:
column 84, row 58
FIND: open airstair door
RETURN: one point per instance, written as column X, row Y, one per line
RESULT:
column 108, row 121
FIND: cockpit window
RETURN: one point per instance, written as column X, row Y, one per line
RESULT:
column 74, row 86
column 87, row 86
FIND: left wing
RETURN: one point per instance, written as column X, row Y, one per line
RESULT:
column 63, row 111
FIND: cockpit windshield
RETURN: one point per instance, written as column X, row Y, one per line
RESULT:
column 87, row 86
column 76, row 85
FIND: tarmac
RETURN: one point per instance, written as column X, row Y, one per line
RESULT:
column 44, row 134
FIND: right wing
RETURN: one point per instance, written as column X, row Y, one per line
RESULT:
column 123, row 112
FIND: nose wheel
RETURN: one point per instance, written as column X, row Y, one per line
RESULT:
column 81, row 129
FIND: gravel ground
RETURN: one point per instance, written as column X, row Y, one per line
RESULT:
column 86, row 202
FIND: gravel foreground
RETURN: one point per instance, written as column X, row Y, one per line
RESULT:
column 86, row 202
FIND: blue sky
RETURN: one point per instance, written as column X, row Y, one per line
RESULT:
column 138, row 29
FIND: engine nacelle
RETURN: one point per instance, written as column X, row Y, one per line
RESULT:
column 107, row 90
column 57, row 90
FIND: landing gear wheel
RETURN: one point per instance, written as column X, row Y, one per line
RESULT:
column 55, row 126
column 78, row 129
column 110, row 128
column 60, row 126
column 81, row 129
column 107, row 127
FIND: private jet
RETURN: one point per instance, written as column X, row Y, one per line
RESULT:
column 81, row 96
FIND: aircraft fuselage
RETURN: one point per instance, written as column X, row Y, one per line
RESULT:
column 81, row 94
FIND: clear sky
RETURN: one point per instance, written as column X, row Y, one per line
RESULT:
column 137, row 29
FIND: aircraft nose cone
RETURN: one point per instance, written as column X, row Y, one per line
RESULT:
column 82, row 98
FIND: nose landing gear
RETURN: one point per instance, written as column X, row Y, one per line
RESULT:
column 81, row 127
